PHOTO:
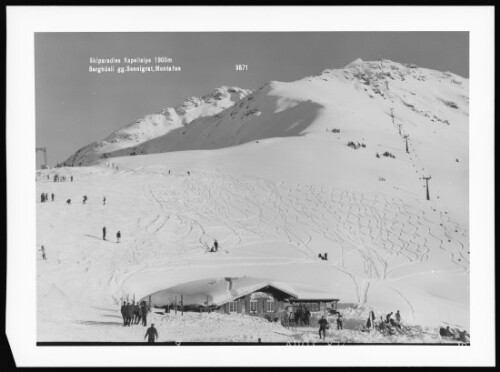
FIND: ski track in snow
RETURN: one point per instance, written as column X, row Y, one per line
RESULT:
column 385, row 232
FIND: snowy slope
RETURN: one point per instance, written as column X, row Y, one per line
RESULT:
column 290, row 190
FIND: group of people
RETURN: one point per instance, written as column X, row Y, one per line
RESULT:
column 454, row 334
column 112, row 165
column 390, row 326
column 134, row 313
column 45, row 197
column 299, row 316
column 58, row 178
column 84, row 200
column 323, row 256
column 118, row 235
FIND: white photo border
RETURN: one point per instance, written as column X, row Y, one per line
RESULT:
column 23, row 22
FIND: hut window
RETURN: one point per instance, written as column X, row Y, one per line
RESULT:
column 314, row 306
column 270, row 306
column 253, row 306
column 233, row 307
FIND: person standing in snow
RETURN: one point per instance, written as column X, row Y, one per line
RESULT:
column 307, row 316
column 123, row 310
column 398, row 317
column 118, row 236
column 84, row 199
column 104, row 201
column 137, row 312
column 104, row 233
column 151, row 334
column 130, row 313
column 216, row 245
column 323, row 325
column 43, row 253
column 42, row 197
column 68, row 201
column 144, row 313
column 340, row 323
column 189, row 173
column 71, row 178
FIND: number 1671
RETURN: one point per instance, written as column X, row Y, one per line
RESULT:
column 241, row 67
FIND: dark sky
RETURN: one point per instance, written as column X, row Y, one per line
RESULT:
column 75, row 107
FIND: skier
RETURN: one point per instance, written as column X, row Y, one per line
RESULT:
column 215, row 247
column 104, row 201
column 326, row 256
column 339, row 321
column 323, row 325
column 398, row 317
column 43, row 253
column 104, row 233
column 52, row 195
column 84, row 199
column 151, row 334
column 169, row 171
column 369, row 322
column 189, row 173
column 42, row 197
column 68, row 201
column 388, row 317
column 71, row 178
column 118, row 236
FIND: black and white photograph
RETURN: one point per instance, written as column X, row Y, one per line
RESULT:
column 220, row 188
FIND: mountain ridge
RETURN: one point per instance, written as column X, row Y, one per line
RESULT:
column 230, row 115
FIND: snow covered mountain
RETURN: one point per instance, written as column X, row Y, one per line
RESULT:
column 354, row 98
column 158, row 124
